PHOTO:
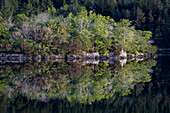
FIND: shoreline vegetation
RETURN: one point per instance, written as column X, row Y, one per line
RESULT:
column 21, row 58
column 84, row 34
column 149, row 15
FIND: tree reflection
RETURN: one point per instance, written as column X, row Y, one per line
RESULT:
column 45, row 81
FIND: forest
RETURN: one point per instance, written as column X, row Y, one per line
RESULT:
column 70, row 27
column 43, row 29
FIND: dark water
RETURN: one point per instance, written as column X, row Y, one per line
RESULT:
column 78, row 87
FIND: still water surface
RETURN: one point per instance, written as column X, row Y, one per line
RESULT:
column 78, row 87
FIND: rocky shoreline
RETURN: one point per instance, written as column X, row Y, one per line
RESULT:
column 21, row 58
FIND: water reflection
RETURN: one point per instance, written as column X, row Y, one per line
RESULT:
column 75, row 82
column 66, row 84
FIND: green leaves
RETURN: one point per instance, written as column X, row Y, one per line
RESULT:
column 92, row 33
column 1, row 18
column 20, row 17
column 131, row 40
column 4, row 31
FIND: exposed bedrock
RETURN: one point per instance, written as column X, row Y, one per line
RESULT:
column 19, row 58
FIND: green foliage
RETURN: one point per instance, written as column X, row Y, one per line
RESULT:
column 1, row 18
column 52, row 11
column 4, row 31
column 20, row 17
column 145, row 14
column 132, row 40
column 84, row 31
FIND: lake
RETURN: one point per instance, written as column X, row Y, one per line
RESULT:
column 86, row 86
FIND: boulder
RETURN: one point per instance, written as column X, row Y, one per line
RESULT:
column 123, row 62
column 123, row 53
column 91, row 55
column 111, row 54
column 37, row 58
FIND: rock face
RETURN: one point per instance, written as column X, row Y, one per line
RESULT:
column 37, row 58
column 140, row 54
column 20, row 58
column 14, row 58
column 96, row 62
column 123, row 53
column 111, row 54
column 91, row 55
column 123, row 62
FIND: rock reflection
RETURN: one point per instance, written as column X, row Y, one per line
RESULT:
column 72, row 81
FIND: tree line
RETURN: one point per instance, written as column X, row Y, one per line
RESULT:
column 72, row 34
column 152, row 15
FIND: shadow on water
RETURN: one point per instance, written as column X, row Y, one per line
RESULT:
column 45, row 87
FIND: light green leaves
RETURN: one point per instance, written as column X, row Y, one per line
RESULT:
column 131, row 40
column 4, row 31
